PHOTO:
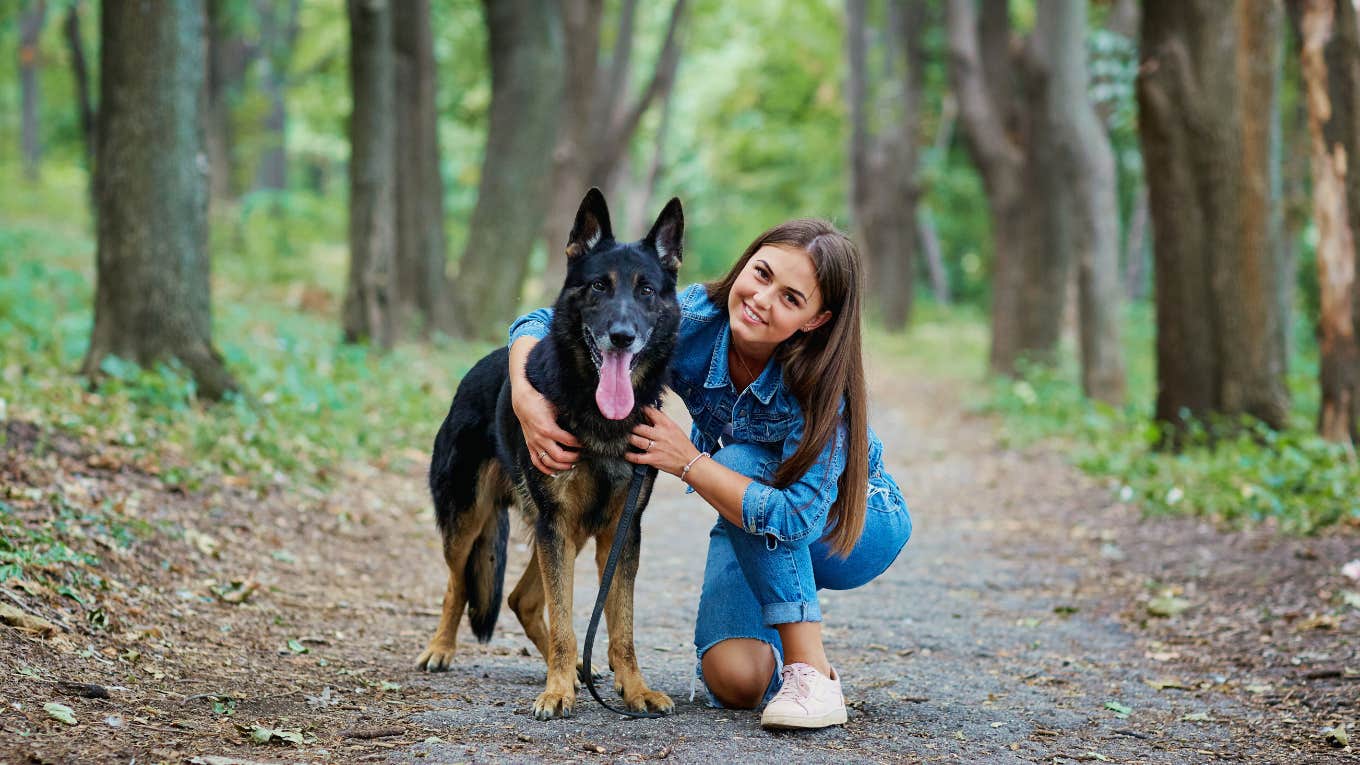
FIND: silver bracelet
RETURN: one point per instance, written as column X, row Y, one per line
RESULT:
column 690, row 464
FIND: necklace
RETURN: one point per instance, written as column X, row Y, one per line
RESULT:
column 750, row 377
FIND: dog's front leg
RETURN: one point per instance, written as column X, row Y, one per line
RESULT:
column 618, row 609
column 556, row 548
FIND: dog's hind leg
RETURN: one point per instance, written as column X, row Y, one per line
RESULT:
column 459, row 538
column 618, row 609
column 527, row 601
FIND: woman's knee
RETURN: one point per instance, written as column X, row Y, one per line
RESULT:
column 737, row 672
column 751, row 460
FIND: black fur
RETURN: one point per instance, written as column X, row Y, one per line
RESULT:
column 604, row 300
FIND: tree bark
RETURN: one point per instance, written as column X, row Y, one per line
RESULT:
column 31, row 22
column 81, row 72
column 884, row 158
column 229, row 57
column 152, row 281
column 367, row 313
column 1206, row 95
column 1001, row 89
column 525, row 46
column 1086, row 213
column 1331, row 76
column 421, row 285
column 597, row 120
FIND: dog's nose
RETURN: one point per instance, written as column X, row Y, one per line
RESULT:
column 621, row 339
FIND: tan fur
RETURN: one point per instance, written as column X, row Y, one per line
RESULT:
column 547, row 583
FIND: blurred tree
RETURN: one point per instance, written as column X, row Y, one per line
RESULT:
column 525, row 48
column 885, row 114
column 152, row 285
column 1207, row 86
column 422, row 289
column 367, row 314
column 1084, row 208
column 1003, row 93
column 597, row 121
column 80, row 70
column 31, row 21
column 278, row 37
column 1331, row 74
column 229, row 57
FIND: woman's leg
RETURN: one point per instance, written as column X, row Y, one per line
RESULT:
column 738, row 653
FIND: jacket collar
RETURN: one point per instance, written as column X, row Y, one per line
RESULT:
column 764, row 387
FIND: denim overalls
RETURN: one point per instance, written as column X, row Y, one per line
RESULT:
column 767, row 571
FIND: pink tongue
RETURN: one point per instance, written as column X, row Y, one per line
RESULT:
column 615, row 394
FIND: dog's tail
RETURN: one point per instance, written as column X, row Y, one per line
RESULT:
column 485, row 574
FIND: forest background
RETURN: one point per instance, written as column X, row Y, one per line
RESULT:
column 380, row 188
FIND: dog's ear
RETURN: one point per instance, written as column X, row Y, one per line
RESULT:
column 592, row 225
column 666, row 234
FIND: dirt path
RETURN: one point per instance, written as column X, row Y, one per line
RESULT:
column 1015, row 628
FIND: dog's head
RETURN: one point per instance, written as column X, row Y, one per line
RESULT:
column 620, row 297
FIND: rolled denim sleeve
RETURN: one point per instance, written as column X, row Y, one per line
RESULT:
column 534, row 324
column 797, row 513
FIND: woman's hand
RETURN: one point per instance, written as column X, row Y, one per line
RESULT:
column 661, row 443
column 551, row 448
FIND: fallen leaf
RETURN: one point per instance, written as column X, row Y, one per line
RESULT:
column 26, row 622
column 1352, row 570
column 1162, row 685
column 1197, row 717
column 297, row 647
column 60, row 712
column 1167, row 605
column 1318, row 622
column 1120, row 711
column 1337, row 736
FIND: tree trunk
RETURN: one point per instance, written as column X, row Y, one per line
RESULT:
column 1206, row 96
column 278, row 33
column 228, row 59
column 1087, row 213
column 1331, row 75
column 1135, row 247
column 885, row 192
column 525, row 46
column 367, row 313
column 579, row 117
column 80, row 70
column 31, row 22
column 152, row 282
column 1002, row 90
column 597, row 120
column 421, row 285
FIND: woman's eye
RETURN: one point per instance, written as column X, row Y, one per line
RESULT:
column 600, row 285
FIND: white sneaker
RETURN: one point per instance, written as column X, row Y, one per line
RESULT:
column 808, row 699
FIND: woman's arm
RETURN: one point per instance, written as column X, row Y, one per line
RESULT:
column 795, row 514
column 537, row 416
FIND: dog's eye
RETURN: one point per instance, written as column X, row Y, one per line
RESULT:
column 600, row 285
column 646, row 290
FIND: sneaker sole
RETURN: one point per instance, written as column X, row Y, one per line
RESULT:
column 790, row 722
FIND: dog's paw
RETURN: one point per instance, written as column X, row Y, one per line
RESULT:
column 551, row 704
column 650, row 701
column 436, row 659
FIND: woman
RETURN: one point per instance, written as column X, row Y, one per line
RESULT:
column 768, row 362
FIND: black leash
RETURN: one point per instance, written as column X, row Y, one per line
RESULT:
column 621, row 534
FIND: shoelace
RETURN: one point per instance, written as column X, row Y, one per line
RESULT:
column 798, row 677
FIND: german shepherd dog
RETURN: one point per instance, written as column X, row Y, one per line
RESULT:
column 606, row 355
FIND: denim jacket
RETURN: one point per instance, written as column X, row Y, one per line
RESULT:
column 765, row 413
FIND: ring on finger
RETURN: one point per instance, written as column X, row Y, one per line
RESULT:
column 650, row 444
column 543, row 454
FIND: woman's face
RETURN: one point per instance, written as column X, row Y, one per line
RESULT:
column 774, row 296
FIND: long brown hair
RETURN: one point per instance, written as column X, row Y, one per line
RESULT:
column 823, row 366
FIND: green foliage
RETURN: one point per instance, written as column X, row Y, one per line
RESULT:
column 310, row 403
column 1292, row 477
